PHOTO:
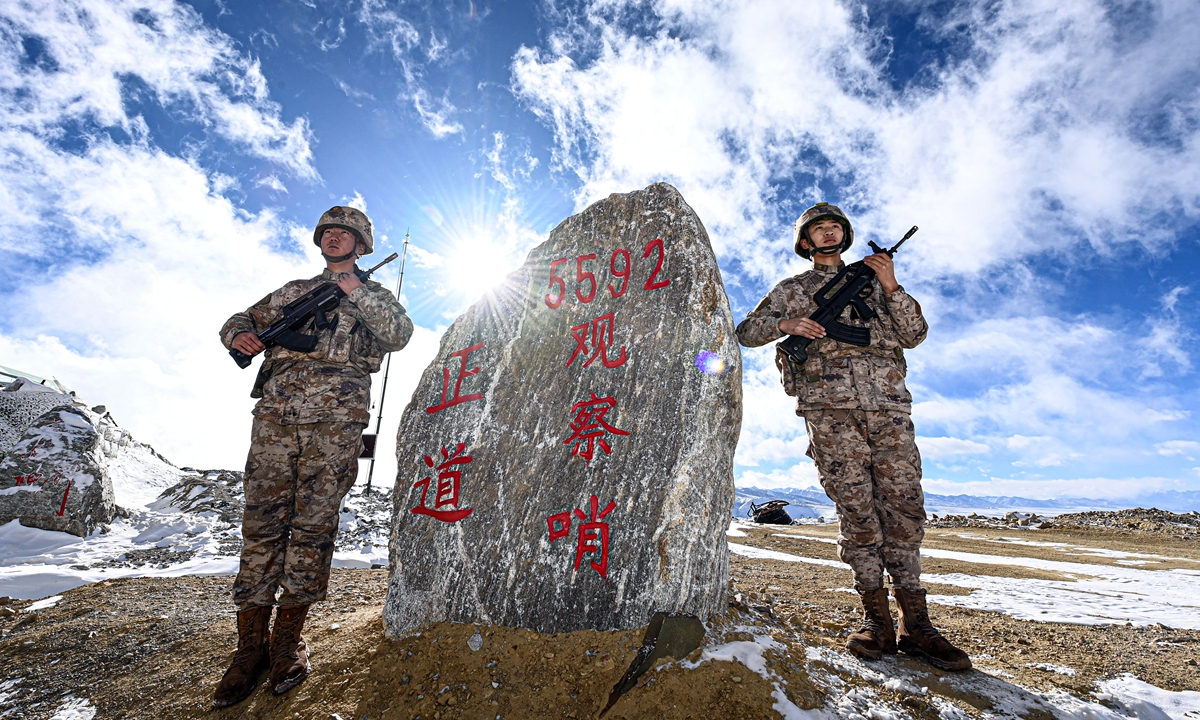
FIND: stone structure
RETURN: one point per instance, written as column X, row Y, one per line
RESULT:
column 54, row 476
column 566, row 462
column 21, row 403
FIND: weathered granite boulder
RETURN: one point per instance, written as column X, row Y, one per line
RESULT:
column 566, row 462
column 55, row 476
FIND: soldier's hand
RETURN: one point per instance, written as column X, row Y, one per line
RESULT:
column 349, row 283
column 802, row 326
column 884, row 269
column 248, row 343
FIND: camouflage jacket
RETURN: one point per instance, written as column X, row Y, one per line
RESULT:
column 333, row 382
column 838, row 375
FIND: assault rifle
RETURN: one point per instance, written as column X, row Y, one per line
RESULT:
column 312, row 305
column 851, row 287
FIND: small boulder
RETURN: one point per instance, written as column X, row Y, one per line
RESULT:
column 55, row 477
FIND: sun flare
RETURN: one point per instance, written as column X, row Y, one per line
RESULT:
column 478, row 264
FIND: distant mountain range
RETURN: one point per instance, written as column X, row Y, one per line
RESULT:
column 812, row 502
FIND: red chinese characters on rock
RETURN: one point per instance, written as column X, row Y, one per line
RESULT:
column 463, row 374
column 586, row 284
column 599, row 332
column 592, row 537
column 589, row 428
column 449, row 476
column 41, row 480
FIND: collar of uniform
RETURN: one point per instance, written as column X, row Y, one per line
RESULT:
column 330, row 276
column 828, row 269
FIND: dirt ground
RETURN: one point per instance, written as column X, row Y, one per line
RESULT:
column 154, row 648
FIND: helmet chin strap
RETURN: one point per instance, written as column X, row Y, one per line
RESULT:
column 340, row 258
column 831, row 250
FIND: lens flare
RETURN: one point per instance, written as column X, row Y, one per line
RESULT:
column 709, row 363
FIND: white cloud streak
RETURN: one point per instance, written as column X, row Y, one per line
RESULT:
column 70, row 60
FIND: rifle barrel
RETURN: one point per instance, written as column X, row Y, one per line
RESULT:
column 907, row 235
column 393, row 256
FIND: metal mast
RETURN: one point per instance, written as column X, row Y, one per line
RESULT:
column 387, row 368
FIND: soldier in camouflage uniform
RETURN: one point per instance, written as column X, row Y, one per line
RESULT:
column 304, row 448
column 857, row 412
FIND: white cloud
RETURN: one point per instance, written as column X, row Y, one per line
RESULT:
column 357, row 201
column 800, row 475
column 387, row 27
column 1039, row 132
column 1176, row 447
column 939, row 448
column 79, row 55
column 352, row 92
column 271, row 181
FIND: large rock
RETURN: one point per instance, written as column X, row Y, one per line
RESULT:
column 21, row 403
column 55, row 476
column 566, row 462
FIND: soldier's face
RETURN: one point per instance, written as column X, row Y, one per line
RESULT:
column 338, row 241
column 824, row 233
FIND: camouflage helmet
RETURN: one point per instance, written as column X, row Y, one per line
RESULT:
column 813, row 214
column 352, row 219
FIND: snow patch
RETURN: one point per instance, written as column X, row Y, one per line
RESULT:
column 1145, row 701
column 74, row 708
column 1051, row 667
column 1087, row 595
column 750, row 654
column 43, row 604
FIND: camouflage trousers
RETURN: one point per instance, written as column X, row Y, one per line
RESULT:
column 296, row 477
column 870, row 467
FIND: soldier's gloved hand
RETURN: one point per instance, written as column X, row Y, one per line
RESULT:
column 349, row 283
column 248, row 343
column 802, row 326
column 884, row 269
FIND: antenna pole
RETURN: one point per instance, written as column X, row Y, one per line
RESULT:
column 387, row 369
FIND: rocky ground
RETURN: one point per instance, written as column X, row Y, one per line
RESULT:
column 1134, row 521
column 154, row 648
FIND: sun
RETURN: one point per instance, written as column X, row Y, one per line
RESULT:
column 477, row 263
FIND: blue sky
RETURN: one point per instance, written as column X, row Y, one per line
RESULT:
column 162, row 164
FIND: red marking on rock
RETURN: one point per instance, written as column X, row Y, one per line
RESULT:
column 601, row 331
column 448, row 480
column 463, row 374
column 589, row 428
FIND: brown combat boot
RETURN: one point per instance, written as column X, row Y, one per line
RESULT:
column 252, row 657
column 877, row 635
column 919, row 637
column 289, row 654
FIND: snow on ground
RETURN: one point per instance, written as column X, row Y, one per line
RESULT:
column 750, row 654
column 139, row 475
column 1125, row 696
column 1088, row 594
column 1141, row 698
column 156, row 539
column 74, row 708
column 1071, row 549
